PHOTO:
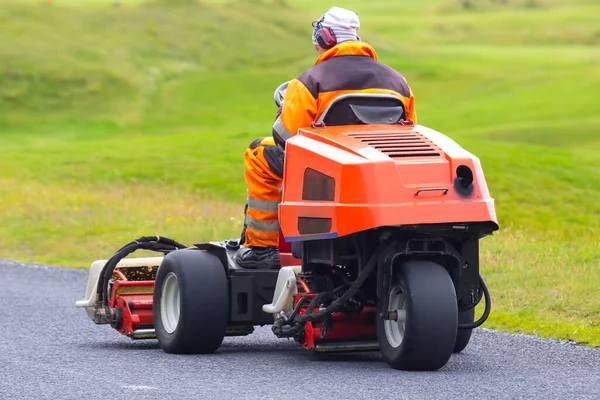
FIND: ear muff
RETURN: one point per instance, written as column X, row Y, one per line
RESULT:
column 325, row 37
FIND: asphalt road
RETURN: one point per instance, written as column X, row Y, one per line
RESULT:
column 51, row 350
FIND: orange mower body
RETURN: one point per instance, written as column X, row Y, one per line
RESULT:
column 342, row 180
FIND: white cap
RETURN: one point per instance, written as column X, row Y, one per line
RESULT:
column 343, row 22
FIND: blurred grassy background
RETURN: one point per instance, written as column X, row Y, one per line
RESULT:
column 130, row 120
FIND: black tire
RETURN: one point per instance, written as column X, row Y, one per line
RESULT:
column 204, row 302
column 431, row 318
column 464, row 335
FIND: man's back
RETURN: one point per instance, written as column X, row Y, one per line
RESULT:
column 352, row 70
column 349, row 67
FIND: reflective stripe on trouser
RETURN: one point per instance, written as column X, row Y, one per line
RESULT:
column 263, row 164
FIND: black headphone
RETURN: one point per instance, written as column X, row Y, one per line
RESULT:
column 324, row 36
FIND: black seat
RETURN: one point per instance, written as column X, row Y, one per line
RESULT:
column 364, row 109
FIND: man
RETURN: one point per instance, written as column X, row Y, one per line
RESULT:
column 345, row 65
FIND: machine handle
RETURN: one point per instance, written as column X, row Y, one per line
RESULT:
column 431, row 190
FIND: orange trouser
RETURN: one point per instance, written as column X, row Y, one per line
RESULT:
column 263, row 164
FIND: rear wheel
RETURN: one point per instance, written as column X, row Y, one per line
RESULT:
column 191, row 302
column 420, row 331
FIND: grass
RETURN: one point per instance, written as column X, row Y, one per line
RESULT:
column 118, row 122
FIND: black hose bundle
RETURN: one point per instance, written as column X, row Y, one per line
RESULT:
column 281, row 330
column 154, row 243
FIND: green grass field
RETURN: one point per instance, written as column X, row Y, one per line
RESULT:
column 118, row 122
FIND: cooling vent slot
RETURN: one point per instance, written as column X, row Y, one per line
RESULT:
column 399, row 145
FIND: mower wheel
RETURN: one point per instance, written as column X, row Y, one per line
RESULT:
column 190, row 302
column 464, row 335
column 419, row 331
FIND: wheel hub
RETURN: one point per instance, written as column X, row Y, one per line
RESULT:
column 170, row 303
column 395, row 323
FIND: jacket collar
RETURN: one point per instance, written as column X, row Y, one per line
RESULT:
column 350, row 48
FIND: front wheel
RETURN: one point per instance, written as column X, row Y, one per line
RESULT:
column 190, row 302
column 419, row 329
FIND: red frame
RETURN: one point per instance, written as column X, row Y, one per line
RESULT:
column 356, row 326
column 285, row 253
column 141, row 315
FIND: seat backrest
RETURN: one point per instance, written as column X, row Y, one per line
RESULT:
column 363, row 108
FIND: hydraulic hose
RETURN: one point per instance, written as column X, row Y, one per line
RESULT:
column 154, row 243
column 336, row 305
column 300, row 320
column 486, row 311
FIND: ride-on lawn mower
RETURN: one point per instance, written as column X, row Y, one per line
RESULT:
column 380, row 223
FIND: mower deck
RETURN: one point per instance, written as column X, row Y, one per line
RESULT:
column 133, row 286
column 250, row 289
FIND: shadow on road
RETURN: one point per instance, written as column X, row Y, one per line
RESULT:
column 236, row 349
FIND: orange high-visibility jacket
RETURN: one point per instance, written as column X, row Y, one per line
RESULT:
column 350, row 67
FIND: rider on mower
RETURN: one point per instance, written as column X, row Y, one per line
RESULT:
column 345, row 65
